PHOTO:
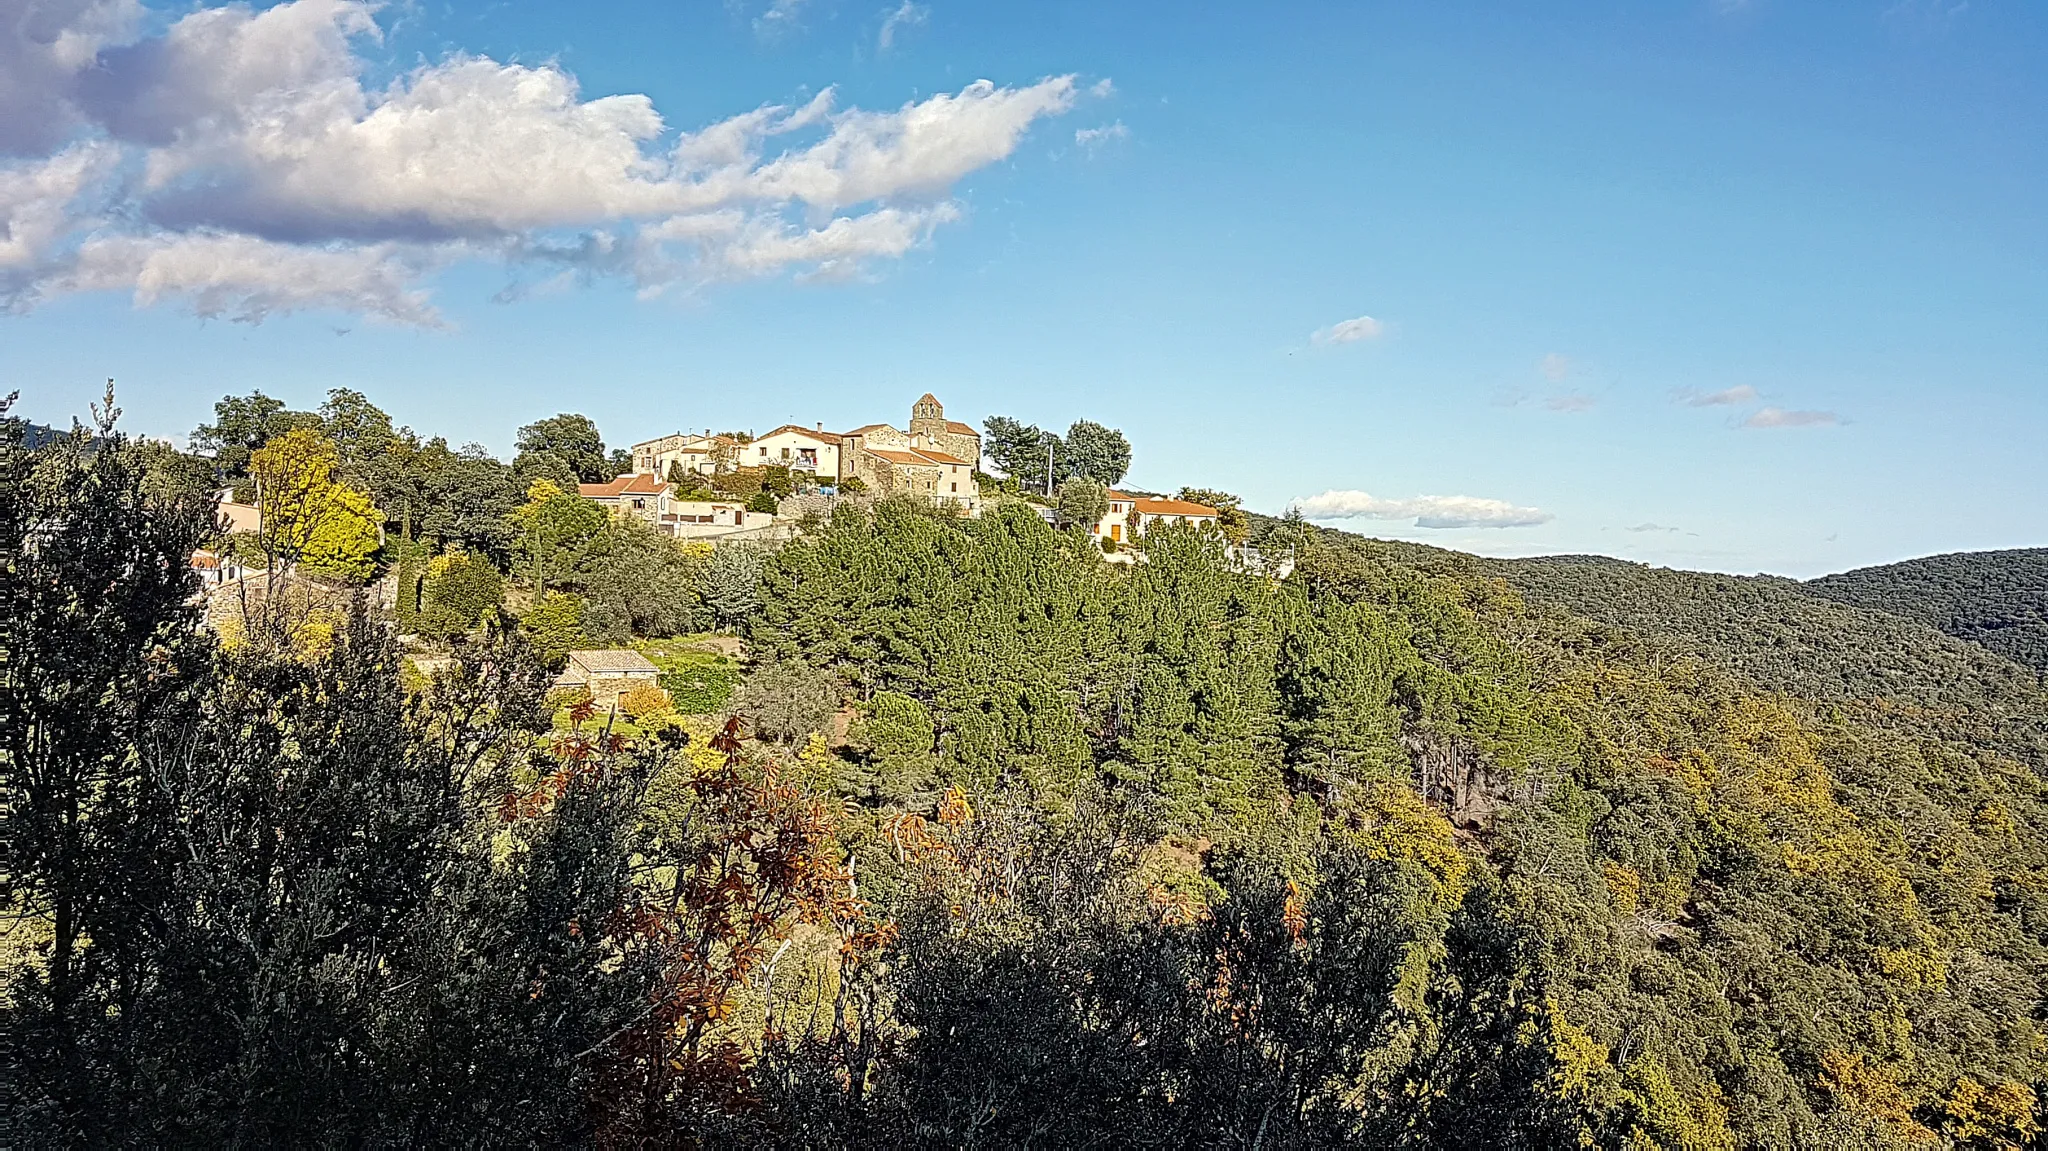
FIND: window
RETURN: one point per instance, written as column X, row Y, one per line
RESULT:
column 956, row 487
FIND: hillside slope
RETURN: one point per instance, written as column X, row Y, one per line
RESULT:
column 1572, row 849
column 1998, row 599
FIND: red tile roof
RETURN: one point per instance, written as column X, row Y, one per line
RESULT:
column 963, row 429
column 637, row 484
column 911, row 457
column 939, row 456
column 1173, row 508
column 866, row 428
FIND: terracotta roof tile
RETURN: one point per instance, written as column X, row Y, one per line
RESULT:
column 913, row 458
column 963, row 429
column 1150, row 507
column 637, row 484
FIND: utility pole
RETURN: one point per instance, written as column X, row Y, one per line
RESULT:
column 1048, row 469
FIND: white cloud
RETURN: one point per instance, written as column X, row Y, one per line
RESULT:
column 1780, row 418
column 834, row 250
column 1739, row 394
column 246, row 278
column 1649, row 527
column 257, row 125
column 906, row 15
column 921, row 148
column 1425, row 511
column 1093, row 138
column 1555, row 366
column 1570, row 402
column 1348, row 331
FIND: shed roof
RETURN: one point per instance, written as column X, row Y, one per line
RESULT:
column 612, row 661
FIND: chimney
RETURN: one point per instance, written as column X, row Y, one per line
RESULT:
column 821, row 425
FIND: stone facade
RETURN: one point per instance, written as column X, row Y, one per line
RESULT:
column 608, row 673
column 928, row 422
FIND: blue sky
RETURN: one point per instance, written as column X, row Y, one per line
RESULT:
column 1736, row 286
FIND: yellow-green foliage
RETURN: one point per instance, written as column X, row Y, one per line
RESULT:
column 644, row 702
column 309, row 517
column 1663, row 1115
column 2001, row 1116
column 1391, row 822
column 313, row 639
column 1871, row 1088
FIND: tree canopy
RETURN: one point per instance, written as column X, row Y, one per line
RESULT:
column 565, row 441
column 1089, row 451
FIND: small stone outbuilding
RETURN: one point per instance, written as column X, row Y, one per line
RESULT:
column 608, row 673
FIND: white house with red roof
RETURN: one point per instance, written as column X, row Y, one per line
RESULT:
column 1129, row 516
column 639, row 494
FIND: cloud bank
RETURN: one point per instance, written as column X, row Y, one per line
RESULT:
column 1424, row 511
column 240, row 164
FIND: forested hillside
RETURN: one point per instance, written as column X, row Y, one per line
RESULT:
column 1998, row 599
column 1002, row 844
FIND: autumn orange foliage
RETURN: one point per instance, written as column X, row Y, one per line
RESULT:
column 765, row 862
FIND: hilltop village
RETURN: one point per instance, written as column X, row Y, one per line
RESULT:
column 603, row 556
column 674, row 479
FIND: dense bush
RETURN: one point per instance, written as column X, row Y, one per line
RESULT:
column 460, row 590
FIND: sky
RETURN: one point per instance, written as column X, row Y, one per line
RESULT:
column 1736, row 286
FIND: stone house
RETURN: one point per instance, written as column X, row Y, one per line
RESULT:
column 608, row 673
column 640, row 495
column 702, row 455
column 935, row 459
column 925, row 472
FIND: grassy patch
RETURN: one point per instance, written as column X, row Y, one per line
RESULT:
column 699, row 681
